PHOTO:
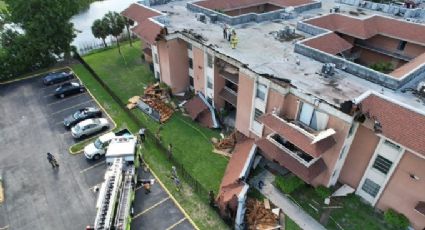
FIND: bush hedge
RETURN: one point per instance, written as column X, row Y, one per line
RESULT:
column 288, row 184
column 396, row 219
column 323, row 192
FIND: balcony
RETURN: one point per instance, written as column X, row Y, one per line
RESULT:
column 276, row 152
column 231, row 74
column 314, row 143
column 229, row 95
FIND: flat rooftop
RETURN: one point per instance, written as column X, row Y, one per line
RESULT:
column 262, row 53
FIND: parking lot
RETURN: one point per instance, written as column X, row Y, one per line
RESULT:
column 40, row 197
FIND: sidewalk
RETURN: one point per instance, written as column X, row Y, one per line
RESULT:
column 292, row 210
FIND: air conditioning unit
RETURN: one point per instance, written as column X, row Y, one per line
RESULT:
column 201, row 17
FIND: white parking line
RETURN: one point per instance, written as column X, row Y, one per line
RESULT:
column 67, row 98
column 92, row 167
column 177, row 223
column 59, row 111
column 150, row 208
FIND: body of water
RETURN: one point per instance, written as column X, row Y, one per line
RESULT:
column 84, row 20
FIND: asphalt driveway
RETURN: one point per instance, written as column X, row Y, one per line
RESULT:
column 41, row 198
column 38, row 197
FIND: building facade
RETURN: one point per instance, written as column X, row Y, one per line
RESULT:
column 352, row 125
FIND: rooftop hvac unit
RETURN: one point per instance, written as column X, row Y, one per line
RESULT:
column 328, row 69
column 201, row 17
column 213, row 18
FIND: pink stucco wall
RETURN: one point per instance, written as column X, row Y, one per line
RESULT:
column 174, row 64
column 359, row 155
column 198, row 70
column 402, row 192
column 243, row 114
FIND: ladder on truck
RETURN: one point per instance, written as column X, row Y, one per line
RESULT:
column 108, row 195
column 124, row 205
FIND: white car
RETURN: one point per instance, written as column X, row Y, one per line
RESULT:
column 98, row 148
column 88, row 127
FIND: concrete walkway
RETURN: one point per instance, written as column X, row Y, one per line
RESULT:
column 292, row 210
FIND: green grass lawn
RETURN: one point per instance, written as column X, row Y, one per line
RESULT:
column 126, row 75
column 191, row 142
column 353, row 215
column 291, row 225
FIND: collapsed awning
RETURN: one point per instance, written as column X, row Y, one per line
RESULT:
column 273, row 153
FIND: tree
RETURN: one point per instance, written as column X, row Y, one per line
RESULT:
column 42, row 36
column 116, row 25
column 100, row 29
column 128, row 23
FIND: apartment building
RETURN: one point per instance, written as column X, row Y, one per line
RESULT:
column 300, row 85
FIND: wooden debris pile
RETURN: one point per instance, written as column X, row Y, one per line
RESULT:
column 226, row 143
column 132, row 102
column 155, row 96
column 257, row 216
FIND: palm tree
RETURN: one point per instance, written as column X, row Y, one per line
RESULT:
column 116, row 25
column 100, row 30
column 128, row 23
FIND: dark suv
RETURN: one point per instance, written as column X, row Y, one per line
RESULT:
column 80, row 115
column 57, row 77
column 69, row 88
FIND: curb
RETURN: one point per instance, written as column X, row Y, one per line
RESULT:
column 174, row 199
column 97, row 102
column 34, row 75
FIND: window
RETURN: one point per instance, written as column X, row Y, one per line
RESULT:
column 189, row 46
column 191, row 81
column 312, row 118
column 351, row 131
column 261, row 91
column 210, row 60
column 371, row 187
column 257, row 114
column 382, row 164
column 157, row 75
column 156, row 58
column 190, row 63
column 209, row 83
column 401, row 45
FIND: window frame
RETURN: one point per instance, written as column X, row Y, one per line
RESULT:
column 257, row 114
column 368, row 182
column 312, row 115
column 210, row 60
column 382, row 162
column 259, row 92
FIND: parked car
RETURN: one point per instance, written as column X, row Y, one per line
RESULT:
column 57, row 77
column 88, row 127
column 69, row 88
column 97, row 149
column 81, row 115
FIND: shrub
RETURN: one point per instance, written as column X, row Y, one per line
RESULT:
column 323, row 192
column 383, row 67
column 288, row 184
column 398, row 220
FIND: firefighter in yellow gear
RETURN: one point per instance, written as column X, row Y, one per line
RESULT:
column 234, row 39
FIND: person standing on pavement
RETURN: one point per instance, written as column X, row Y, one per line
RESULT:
column 52, row 160
column 142, row 134
column 147, row 186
